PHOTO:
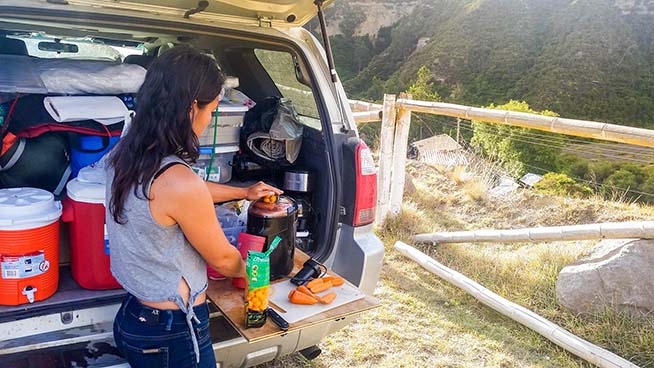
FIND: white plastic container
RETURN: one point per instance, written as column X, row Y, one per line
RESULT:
column 230, row 120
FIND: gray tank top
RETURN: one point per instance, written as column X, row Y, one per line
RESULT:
column 149, row 259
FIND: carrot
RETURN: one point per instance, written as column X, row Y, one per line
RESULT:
column 305, row 290
column 336, row 281
column 290, row 295
column 321, row 287
column 328, row 298
column 313, row 283
column 301, row 298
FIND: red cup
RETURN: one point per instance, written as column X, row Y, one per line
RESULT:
column 215, row 275
column 247, row 242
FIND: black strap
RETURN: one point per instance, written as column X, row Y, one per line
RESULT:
column 164, row 168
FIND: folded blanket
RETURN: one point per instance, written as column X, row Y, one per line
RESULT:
column 104, row 109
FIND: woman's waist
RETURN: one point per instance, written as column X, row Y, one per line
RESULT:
column 170, row 305
column 162, row 317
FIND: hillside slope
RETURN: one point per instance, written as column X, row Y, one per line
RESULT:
column 590, row 59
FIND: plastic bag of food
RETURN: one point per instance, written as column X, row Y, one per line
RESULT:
column 256, row 295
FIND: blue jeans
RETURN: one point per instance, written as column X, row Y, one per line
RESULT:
column 155, row 338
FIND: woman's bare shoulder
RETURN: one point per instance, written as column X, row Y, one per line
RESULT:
column 178, row 182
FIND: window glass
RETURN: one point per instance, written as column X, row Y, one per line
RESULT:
column 280, row 66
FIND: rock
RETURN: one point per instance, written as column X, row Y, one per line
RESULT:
column 617, row 274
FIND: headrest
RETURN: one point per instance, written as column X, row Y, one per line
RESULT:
column 11, row 46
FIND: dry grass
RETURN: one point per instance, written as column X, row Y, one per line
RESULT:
column 424, row 321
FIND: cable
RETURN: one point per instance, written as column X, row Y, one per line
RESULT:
column 591, row 145
column 549, row 144
column 545, row 171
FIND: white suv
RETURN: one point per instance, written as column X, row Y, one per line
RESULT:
column 264, row 45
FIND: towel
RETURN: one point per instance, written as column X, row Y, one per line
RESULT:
column 103, row 109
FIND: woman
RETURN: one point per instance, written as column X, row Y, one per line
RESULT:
column 161, row 220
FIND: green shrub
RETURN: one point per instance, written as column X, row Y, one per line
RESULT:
column 562, row 185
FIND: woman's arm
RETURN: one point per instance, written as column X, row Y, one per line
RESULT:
column 225, row 193
column 179, row 196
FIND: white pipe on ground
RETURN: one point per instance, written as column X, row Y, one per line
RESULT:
column 611, row 230
column 553, row 332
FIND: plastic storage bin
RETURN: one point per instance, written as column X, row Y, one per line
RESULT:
column 89, row 245
column 88, row 149
column 221, row 168
column 29, row 245
column 232, row 226
column 230, row 120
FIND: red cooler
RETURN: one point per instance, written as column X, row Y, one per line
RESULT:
column 29, row 245
column 89, row 245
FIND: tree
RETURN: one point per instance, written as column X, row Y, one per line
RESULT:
column 423, row 87
column 517, row 149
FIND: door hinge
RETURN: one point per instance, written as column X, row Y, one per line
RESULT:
column 265, row 22
column 343, row 211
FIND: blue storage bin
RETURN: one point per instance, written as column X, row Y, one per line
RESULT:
column 88, row 149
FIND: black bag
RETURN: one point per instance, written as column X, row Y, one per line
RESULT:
column 272, row 134
column 41, row 162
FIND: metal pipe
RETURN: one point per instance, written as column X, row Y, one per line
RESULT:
column 551, row 331
column 611, row 230
column 325, row 40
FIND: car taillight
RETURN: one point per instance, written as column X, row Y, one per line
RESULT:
column 365, row 201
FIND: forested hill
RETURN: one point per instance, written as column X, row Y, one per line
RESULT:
column 589, row 59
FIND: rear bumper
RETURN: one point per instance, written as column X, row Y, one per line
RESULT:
column 93, row 346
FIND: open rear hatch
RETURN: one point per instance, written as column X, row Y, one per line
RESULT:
column 282, row 13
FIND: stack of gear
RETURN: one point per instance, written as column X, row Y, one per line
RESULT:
column 38, row 130
column 298, row 184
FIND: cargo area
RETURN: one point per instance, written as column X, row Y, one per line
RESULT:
column 45, row 71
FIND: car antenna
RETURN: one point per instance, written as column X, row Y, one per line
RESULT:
column 202, row 6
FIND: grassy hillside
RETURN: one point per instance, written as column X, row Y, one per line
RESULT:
column 590, row 59
column 426, row 322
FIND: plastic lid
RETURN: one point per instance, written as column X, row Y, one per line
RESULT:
column 284, row 207
column 27, row 208
column 80, row 191
column 219, row 149
column 226, row 106
column 92, row 174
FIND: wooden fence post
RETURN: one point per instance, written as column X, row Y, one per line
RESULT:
column 384, row 176
column 400, row 147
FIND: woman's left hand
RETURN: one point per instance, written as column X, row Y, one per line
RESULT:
column 260, row 190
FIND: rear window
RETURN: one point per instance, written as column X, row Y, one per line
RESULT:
column 281, row 67
column 78, row 48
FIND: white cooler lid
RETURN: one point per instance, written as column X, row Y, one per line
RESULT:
column 27, row 208
column 80, row 191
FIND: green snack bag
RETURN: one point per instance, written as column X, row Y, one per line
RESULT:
column 256, row 298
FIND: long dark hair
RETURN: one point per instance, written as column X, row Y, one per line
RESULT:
column 162, row 125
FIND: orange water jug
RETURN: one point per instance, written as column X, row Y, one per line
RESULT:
column 29, row 245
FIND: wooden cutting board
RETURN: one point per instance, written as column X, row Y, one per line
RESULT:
column 230, row 302
column 293, row 312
